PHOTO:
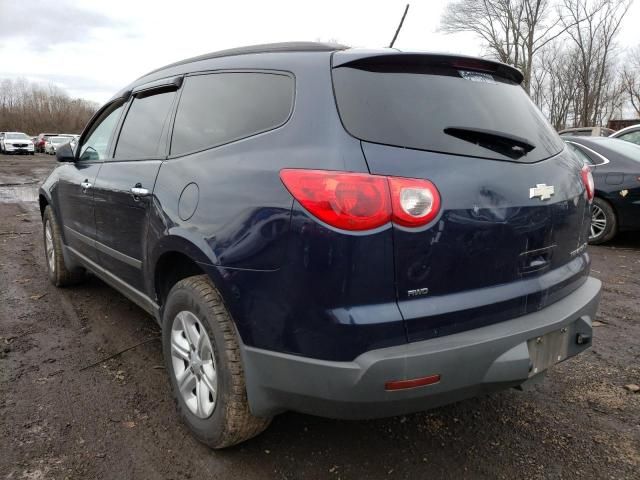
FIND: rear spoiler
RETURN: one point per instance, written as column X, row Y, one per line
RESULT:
column 389, row 59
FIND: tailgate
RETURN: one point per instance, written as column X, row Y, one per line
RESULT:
column 511, row 233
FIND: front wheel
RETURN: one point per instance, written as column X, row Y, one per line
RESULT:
column 604, row 223
column 202, row 356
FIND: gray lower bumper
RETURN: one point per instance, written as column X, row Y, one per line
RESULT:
column 469, row 363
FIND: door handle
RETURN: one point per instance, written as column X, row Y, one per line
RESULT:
column 140, row 192
column 86, row 185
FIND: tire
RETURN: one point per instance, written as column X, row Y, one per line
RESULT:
column 57, row 270
column 604, row 224
column 222, row 418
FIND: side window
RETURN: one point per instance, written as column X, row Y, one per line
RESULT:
column 219, row 108
column 145, row 126
column 96, row 144
column 633, row 137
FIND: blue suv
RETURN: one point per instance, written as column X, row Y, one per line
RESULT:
column 340, row 232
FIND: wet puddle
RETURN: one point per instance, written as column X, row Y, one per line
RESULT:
column 19, row 193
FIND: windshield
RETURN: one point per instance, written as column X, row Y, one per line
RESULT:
column 443, row 109
column 16, row 136
column 59, row 139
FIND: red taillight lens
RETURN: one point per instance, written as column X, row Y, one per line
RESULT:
column 414, row 202
column 587, row 179
column 349, row 201
column 359, row 201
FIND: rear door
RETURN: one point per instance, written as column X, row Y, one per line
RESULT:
column 74, row 190
column 514, row 209
column 124, row 188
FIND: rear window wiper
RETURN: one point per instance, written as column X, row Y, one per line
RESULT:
column 506, row 144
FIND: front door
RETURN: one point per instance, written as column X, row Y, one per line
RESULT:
column 74, row 192
column 123, row 191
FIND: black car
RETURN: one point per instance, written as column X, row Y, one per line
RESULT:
column 616, row 173
column 341, row 232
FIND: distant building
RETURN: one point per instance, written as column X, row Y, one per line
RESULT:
column 620, row 124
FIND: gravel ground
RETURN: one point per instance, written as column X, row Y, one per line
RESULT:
column 116, row 420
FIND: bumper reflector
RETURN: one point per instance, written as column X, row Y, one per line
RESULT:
column 413, row 383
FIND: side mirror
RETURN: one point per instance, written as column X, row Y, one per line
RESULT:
column 64, row 153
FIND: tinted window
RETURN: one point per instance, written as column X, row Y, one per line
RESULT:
column 145, row 127
column 96, row 144
column 445, row 110
column 222, row 107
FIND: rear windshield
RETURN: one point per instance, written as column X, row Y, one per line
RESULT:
column 444, row 110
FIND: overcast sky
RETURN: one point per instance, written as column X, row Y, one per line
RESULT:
column 92, row 48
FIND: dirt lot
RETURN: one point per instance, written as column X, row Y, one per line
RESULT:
column 117, row 420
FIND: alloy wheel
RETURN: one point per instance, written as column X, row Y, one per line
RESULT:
column 194, row 365
column 598, row 221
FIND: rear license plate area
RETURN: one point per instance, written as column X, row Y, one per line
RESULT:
column 547, row 350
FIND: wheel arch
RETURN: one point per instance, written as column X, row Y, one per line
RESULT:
column 604, row 196
column 43, row 202
column 177, row 257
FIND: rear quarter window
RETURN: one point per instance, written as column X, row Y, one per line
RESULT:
column 219, row 108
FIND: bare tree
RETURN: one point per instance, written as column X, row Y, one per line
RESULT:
column 631, row 79
column 34, row 108
column 592, row 26
column 554, row 84
column 513, row 31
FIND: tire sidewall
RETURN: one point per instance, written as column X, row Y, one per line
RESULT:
column 48, row 219
column 183, row 298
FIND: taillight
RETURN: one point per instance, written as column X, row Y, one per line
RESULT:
column 359, row 201
column 414, row 202
column 349, row 201
column 587, row 179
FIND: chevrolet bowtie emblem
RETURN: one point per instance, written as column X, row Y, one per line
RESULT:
column 542, row 190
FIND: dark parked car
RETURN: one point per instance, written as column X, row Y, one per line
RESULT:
column 616, row 173
column 340, row 232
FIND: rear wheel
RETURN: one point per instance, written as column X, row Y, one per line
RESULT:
column 202, row 357
column 604, row 223
column 59, row 274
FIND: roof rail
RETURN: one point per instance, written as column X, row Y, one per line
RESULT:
column 263, row 48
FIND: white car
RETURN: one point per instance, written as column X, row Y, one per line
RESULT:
column 73, row 137
column 16, row 142
column 52, row 143
column 629, row 134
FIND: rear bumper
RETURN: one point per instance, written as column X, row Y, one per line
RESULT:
column 469, row 363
